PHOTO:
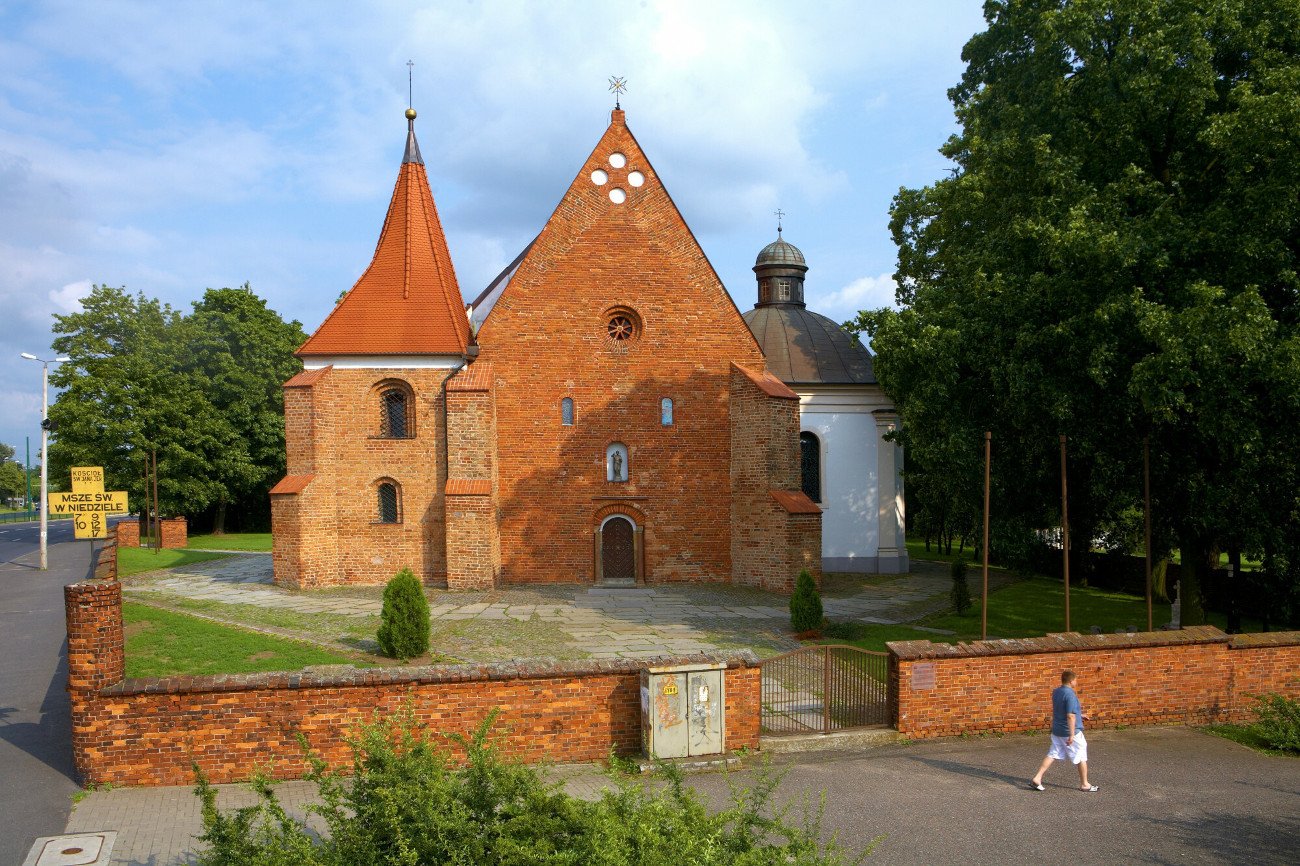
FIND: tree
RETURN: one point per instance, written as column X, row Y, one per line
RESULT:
column 141, row 377
column 1113, row 257
column 13, row 481
column 243, row 352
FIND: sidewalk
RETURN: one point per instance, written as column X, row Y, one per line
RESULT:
column 567, row 622
column 1168, row 795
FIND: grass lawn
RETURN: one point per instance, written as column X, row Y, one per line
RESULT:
column 1037, row 606
column 160, row 643
column 873, row 636
column 133, row 560
column 255, row 541
column 1029, row 608
column 916, row 550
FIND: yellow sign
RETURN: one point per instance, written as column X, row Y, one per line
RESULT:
column 88, row 504
column 87, row 479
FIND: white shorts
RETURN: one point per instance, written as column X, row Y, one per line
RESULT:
column 1064, row 749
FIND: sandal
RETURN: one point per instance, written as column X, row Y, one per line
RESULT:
column 1036, row 786
column 1091, row 789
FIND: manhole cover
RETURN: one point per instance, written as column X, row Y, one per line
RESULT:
column 83, row 849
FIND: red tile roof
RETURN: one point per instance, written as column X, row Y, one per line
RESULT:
column 292, row 484
column 466, row 487
column 475, row 377
column 768, row 384
column 408, row 301
column 795, row 501
column 307, row 378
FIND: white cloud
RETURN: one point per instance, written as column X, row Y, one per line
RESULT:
column 864, row 293
column 68, row 298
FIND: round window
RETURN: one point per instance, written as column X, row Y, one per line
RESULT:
column 621, row 328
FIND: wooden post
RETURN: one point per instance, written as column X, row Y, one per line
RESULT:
column 1065, row 534
column 1146, row 515
column 984, row 604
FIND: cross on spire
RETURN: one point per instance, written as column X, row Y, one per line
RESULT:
column 617, row 85
column 410, row 84
column 780, row 214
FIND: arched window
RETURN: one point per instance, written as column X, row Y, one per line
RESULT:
column 390, row 510
column 394, row 413
column 810, row 465
column 566, row 411
column 666, row 412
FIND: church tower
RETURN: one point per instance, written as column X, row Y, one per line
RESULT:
column 846, row 463
column 364, row 421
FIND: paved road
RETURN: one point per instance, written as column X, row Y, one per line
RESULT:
column 36, row 776
column 1168, row 795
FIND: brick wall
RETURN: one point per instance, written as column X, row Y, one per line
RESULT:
column 332, row 534
column 106, row 556
column 149, row 731
column 1195, row 676
column 547, row 340
column 174, row 533
column 769, row 544
column 128, row 532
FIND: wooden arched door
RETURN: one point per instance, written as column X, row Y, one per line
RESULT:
column 618, row 550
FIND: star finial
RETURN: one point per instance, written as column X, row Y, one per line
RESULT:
column 617, row 85
column 780, row 214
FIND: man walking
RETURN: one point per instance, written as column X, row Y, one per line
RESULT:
column 1067, row 734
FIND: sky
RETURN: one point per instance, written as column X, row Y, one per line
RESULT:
column 175, row 147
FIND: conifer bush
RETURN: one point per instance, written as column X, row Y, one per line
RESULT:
column 805, row 604
column 960, row 593
column 404, row 626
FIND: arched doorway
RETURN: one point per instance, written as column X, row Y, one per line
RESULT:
column 618, row 553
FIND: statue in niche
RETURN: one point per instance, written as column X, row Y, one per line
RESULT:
column 616, row 463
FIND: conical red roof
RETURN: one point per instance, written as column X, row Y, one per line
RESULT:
column 407, row 302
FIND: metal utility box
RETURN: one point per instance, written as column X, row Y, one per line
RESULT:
column 682, row 710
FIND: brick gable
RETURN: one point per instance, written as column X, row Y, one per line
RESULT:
column 547, row 340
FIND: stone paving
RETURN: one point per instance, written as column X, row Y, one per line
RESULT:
column 570, row 621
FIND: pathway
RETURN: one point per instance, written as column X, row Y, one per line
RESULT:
column 562, row 621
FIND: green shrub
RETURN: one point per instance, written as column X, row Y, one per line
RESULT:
column 1279, row 721
column 404, row 626
column 960, row 593
column 404, row 801
column 805, row 604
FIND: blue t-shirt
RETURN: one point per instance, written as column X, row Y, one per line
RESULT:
column 1064, row 702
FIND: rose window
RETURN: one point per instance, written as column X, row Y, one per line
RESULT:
column 621, row 328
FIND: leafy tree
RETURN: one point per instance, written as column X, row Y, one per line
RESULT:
column 1114, row 257
column 142, row 378
column 243, row 353
column 13, row 480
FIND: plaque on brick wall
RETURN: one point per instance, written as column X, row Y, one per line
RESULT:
column 923, row 676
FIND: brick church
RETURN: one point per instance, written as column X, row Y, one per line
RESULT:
column 601, row 414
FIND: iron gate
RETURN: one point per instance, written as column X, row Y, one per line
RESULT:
column 819, row 689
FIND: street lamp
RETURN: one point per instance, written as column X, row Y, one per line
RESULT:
column 45, row 456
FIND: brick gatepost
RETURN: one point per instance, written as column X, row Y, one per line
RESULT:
column 93, row 610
